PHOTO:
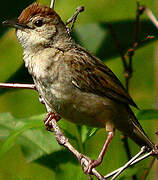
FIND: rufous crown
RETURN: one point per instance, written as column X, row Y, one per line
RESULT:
column 33, row 10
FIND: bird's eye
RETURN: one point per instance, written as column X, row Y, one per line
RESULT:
column 38, row 23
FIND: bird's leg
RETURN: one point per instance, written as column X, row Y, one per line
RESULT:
column 18, row 86
column 47, row 120
column 94, row 163
column 63, row 140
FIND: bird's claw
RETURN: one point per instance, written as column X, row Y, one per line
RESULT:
column 87, row 168
column 47, row 120
column 90, row 166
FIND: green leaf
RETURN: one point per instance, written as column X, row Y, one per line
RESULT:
column 147, row 114
column 86, row 132
column 30, row 134
column 93, row 132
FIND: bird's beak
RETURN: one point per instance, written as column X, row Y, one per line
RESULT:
column 15, row 24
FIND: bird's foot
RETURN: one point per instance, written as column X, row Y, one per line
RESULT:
column 92, row 164
column 87, row 168
column 47, row 120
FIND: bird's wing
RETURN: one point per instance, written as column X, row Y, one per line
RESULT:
column 89, row 74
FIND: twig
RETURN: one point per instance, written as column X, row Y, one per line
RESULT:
column 151, row 16
column 133, row 163
column 52, row 4
column 140, row 10
column 130, row 52
column 62, row 140
column 127, row 66
column 143, row 149
column 18, row 86
column 155, row 22
column 128, row 72
column 147, row 170
column 74, row 18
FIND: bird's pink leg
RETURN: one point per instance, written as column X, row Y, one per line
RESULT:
column 92, row 164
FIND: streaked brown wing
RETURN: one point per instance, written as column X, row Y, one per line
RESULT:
column 89, row 74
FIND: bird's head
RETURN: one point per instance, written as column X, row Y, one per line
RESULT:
column 38, row 25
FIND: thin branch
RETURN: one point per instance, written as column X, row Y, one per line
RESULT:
column 52, row 4
column 130, row 52
column 143, row 149
column 140, row 10
column 151, row 16
column 142, row 158
column 133, row 163
column 129, row 70
column 74, row 18
column 62, row 140
column 18, row 86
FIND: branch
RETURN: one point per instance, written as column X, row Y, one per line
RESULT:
column 62, row 140
column 128, row 65
column 128, row 74
column 74, row 18
column 18, row 86
column 52, row 4
column 143, row 149
column 151, row 16
column 133, row 163
column 130, row 52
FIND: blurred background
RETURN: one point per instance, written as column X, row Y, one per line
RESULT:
column 27, row 150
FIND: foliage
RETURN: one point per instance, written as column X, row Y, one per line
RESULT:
column 27, row 150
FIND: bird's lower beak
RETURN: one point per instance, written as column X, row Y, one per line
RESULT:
column 15, row 24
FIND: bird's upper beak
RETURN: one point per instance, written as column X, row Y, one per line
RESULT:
column 15, row 24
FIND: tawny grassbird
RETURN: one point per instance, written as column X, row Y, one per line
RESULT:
column 71, row 81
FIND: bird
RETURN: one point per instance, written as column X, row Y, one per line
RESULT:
column 73, row 83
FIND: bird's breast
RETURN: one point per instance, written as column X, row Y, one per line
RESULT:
column 76, row 106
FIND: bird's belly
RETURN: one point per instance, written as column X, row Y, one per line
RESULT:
column 80, row 107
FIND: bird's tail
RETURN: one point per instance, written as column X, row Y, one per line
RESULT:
column 139, row 135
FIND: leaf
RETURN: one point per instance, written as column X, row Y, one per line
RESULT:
column 93, row 132
column 86, row 132
column 55, row 159
column 147, row 114
column 30, row 134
